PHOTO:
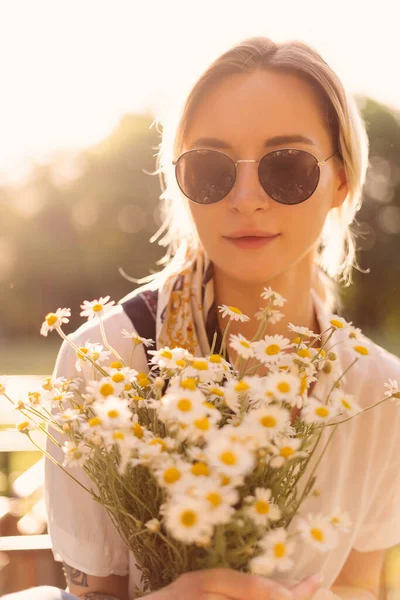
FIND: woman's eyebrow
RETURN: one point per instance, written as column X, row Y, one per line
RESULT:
column 274, row 141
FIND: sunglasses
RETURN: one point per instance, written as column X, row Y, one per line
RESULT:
column 288, row 176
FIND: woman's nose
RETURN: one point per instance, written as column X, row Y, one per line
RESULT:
column 247, row 195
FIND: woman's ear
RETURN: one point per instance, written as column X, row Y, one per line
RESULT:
column 341, row 186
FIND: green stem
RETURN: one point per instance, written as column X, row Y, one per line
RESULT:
column 103, row 333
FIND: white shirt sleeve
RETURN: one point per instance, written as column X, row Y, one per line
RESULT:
column 81, row 531
column 381, row 526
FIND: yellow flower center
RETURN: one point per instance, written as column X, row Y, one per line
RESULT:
column 200, row 365
column 113, row 414
column 184, row 405
column 235, row 310
column 245, row 344
column 116, row 365
column 188, row 384
column 137, row 430
column 180, row 362
column 23, row 425
column 336, row 324
column 51, row 319
column 225, row 480
column 143, row 380
column 97, row 307
column 188, row 518
column 214, row 498
column 202, row 424
column 215, row 358
column 82, row 352
column 279, row 550
column 95, row 355
column 127, row 387
column 217, row 392
column 361, row 350
column 106, row 389
column 158, row 441
column 137, row 398
column 303, row 385
column 200, row 468
column 118, row 377
column 296, row 340
column 286, row 451
column 46, row 384
column 166, row 354
column 322, row 411
column 118, row 435
column 262, row 507
column 228, row 458
column 241, row 386
column 317, row 535
column 345, row 403
column 272, row 349
column 94, row 421
column 304, row 353
column 171, row 475
column 268, row 421
column 283, row 387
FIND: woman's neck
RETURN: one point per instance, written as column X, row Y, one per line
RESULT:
column 298, row 309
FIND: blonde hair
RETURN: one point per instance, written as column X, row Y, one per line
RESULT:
column 335, row 257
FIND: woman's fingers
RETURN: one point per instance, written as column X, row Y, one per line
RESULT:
column 306, row 589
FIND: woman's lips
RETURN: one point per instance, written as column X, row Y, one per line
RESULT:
column 249, row 242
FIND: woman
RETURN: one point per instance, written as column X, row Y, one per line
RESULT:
column 270, row 156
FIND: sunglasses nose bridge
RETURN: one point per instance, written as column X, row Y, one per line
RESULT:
column 248, row 193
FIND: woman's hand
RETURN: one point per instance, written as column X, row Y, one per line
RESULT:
column 227, row 584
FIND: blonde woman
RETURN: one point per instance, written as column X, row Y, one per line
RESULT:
column 263, row 174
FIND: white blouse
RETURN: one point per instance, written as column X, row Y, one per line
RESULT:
column 359, row 473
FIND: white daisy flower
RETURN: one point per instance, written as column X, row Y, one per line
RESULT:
column 220, row 500
column 270, row 420
column 355, row 333
column 96, row 308
column 302, row 331
column 361, row 349
column 317, row 412
column 137, row 339
column 93, row 351
column 278, row 548
column 55, row 320
column 285, row 449
column 114, row 412
column 344, row 403
column 282, row 386
column 318, row 531
column 339, row 323
column 393, row 390
column 36, row 398
column 187, row 519
column 269, row 349
column 69, row 416
column 201, row 428
column 341, row 521
column 268, row 314
column 274, row 298
column 184, row 406
column 261, row 510
column 236, row 391
column 202, row 369
column 26, row 426
column 241, row 345
column 104, row 388
column 229, row 457
column 233, row 313
column 167, row 358
column 75, row 454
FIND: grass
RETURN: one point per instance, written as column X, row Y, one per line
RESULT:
column 28, row 356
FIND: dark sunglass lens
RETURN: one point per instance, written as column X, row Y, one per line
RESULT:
column 289, row 176
column 205, row 176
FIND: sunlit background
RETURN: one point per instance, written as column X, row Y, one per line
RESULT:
column 81, row 84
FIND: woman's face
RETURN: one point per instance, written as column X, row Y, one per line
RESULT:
column 243, row 112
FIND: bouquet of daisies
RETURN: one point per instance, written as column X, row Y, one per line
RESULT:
column 197, row 461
